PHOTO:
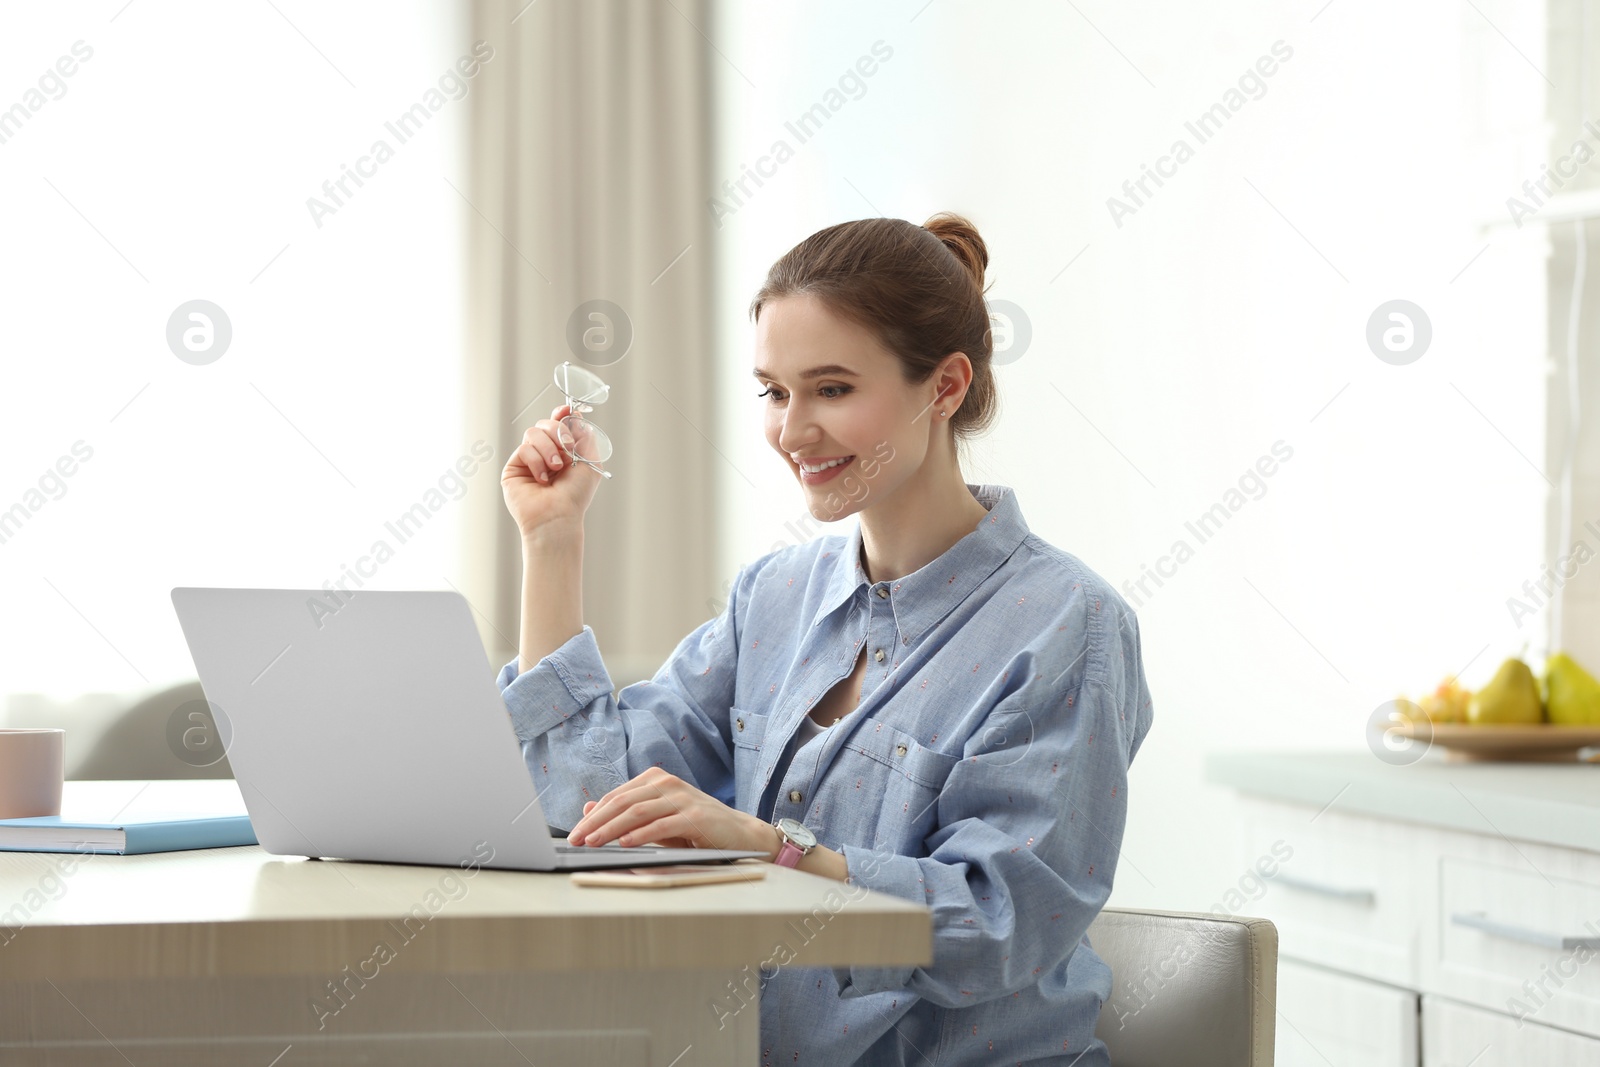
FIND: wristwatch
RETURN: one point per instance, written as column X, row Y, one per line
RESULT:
column 797, row 841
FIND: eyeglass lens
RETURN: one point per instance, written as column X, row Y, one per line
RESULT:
column 582, row 390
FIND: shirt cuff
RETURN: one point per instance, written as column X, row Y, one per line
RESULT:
column 558, row 687
column 886, row 872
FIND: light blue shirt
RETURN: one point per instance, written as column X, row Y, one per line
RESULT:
column 984, row 774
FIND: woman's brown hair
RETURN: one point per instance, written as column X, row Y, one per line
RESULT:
column 918, row 288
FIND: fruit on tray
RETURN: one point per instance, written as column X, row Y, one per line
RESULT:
column 1571, row 694
column 1447, row 703
column 1512, row 696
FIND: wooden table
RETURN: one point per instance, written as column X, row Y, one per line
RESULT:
column 232, row 956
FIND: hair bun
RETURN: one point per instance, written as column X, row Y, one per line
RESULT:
column 961, row 237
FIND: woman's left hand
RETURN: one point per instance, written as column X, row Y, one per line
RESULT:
column 661, row 808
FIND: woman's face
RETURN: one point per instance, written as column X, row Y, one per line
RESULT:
column 860, row 408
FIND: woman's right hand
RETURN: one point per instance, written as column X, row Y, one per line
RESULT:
column 543, row 486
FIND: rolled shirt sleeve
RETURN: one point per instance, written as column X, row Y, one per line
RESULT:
column 1025, row 841
column 580, row 741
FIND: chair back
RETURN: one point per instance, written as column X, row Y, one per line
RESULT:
column 1188, row 989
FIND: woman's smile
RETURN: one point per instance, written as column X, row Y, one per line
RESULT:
column 827, row 474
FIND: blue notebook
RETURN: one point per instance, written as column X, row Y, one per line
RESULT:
column 132, row 818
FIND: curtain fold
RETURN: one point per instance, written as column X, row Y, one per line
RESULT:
column 588, row 166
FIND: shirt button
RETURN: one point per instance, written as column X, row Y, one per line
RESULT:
column 900, row 750
column 796, row 796
column 883, row 594
column 878, row 655
column 738, row 724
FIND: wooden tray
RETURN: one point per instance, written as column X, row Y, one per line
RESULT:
column 1545, row 742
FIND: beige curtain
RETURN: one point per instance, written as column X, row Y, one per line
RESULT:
column 589, row 169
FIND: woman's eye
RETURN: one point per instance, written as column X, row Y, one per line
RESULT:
column 830, row 392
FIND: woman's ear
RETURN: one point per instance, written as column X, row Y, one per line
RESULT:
column 955, row 376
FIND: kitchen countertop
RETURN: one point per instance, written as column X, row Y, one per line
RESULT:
column 1551, row 803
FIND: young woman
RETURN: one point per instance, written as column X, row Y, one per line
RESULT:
column 938, row 705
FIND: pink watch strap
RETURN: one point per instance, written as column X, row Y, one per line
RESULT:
column 789, row 855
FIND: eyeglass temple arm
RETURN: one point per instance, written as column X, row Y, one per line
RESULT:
column 580, row 459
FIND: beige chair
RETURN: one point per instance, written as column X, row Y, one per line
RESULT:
column 145, row 736
column 1188, row 989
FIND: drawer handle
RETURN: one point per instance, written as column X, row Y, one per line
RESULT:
column 1354, row 896
column 1477, row 920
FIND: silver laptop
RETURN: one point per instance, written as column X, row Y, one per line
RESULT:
column 370, row 728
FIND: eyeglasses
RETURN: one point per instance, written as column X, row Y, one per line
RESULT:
column 583, row 390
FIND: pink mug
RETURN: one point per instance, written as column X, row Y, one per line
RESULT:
column 31, row 772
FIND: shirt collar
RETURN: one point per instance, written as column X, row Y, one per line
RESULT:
column 926, row 595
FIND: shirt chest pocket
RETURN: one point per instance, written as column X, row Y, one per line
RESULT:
column 749, row 733
column 895, row 780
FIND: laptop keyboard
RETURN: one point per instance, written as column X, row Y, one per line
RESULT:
column 635, row 850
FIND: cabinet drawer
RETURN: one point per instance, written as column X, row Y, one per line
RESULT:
column 1326, row 1019
column 1455, row 1034
column 1518, row 932
column 1347, row 895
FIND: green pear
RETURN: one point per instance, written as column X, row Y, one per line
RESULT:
column 1572, row 694
column 1512, row 696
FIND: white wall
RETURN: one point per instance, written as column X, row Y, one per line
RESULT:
column 177, row 165
column 1227, row 314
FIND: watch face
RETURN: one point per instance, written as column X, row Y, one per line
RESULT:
column 797, row 833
